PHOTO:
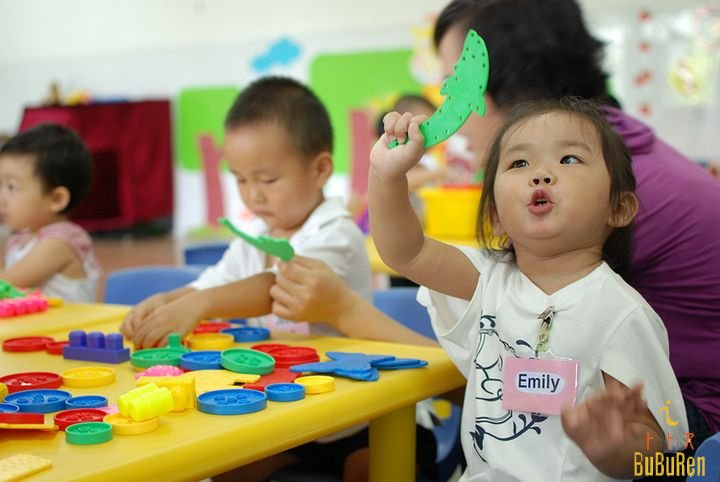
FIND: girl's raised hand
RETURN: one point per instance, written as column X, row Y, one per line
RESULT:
column 396, row 162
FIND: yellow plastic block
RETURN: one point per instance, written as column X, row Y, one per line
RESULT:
column 182, row 389
column 450, row 212
column 316, row 384
column 209, row 380
column 151, row 404
column 3, row 391
column 21, row 465
column 125, row 400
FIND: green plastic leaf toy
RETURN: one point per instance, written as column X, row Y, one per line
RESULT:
column 463, row 93
column 279, row 248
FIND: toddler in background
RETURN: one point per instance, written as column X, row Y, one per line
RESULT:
column 559, row 184
column 278, row 145
column 44, row 174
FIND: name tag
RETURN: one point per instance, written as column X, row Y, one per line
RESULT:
column 539, row 385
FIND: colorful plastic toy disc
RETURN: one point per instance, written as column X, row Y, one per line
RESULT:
column 39, row 401
column 248, row 333
column 232, row 402
column 268, row 347
column 79, row 415
column 127, row 426
column 201, row 360
column 315, row 384
column 210, row 341
column 93, row 376
column 211, row 327
column 88, row 433
column 8, row 408
column 86, row 401
column 242, row 360
column 56, row 347
column 156, row 356
column 285, row 392
column 31, row 380
column 27, row 343
column 294, row 355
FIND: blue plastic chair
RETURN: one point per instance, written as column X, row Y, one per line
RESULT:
column 401, row 305
column 710, row 449
column 205, row 253
column 132, row 285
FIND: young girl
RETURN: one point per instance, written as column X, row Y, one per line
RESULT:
column 44, row 174
column 550, row 308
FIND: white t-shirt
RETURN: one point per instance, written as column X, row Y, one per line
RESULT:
column 71, row 290
column 600, row 321
column 329, row 234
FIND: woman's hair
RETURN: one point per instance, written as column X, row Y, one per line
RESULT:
column 61, row 159
column 617, row 248
column 289, row 104
column 537, row 49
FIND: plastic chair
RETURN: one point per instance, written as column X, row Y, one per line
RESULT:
column 132, row 285
column 401, row 305
column 710, row 449
column 205, row 253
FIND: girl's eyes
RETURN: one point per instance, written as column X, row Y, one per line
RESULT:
column 519, row 163
column 569, row 160
column 268, row 181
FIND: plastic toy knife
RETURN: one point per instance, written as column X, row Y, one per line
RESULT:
column 463, row 93
column 279, row 248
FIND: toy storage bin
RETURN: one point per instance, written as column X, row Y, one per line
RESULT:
column 451, row 212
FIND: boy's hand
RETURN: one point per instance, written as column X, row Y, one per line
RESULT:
column 608, row 421
column 307, row 289
column 134, row 319
column 178, row 316
column 396, row 162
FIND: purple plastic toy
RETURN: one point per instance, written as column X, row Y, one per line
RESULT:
column 96, row 346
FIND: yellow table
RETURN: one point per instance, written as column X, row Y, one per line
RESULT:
column 192, row 445
column 67, row 317
column 378, row 266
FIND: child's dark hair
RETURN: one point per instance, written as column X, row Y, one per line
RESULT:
column 406, row 103
column 61, row 159
column 542, row 49
column 290, row 104
column 617, row 248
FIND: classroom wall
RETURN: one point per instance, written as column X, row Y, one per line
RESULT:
column 137, row 49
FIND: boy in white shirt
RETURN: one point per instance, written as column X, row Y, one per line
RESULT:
column 278, row 145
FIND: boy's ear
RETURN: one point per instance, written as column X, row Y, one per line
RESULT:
column 625, row 211
column 322, row 167
column 59, row 199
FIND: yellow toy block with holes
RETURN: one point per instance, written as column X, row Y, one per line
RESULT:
column 19, row 466
column 181, row 387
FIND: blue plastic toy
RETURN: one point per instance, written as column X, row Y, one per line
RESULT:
column 358, row 366
column 86, row 401
column 232, row 401
column 39, row 401
column 96, row 347
column 285, row 392
column 8, row 408
column 248, row 333
column 201, row 360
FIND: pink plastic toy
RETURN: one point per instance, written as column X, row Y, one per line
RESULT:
column 22, row 306
column 161, row 371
